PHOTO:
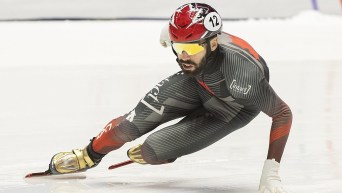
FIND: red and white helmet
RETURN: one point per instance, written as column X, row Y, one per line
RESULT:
column 193, row 22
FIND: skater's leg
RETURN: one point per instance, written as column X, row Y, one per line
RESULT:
column 166, row 101
column 191, row 134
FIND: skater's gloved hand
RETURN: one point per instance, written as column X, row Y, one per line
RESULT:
column 164, row 36
column 270, row 181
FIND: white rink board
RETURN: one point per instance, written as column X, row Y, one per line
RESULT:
column 229, row 9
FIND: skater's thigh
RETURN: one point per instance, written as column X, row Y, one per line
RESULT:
column 173, row 97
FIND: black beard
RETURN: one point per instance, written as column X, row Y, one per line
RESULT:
column 198, row 68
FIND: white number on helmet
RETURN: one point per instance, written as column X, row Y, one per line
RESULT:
column 212, row 21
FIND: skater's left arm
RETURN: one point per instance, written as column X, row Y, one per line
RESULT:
column 262, row 95
column 271, row 104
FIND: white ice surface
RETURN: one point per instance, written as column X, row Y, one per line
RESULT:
column 61, row 82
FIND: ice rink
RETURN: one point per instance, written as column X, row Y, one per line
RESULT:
column 62, row 82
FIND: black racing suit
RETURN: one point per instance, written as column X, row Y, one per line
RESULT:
column 225, row 96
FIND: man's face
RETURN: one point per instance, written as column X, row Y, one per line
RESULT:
column 190, row 63
column 192, row 56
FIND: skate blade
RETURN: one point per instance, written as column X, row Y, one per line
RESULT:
column 50, row 175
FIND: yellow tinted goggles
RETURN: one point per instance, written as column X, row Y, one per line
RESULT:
column 189, row 48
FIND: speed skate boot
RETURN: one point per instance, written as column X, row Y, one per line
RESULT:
column 137, row 155
column 77, row 160
column 134, row 154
